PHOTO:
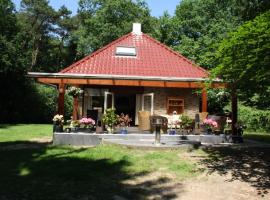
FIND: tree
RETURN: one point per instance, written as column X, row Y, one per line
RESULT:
column 45, row 33
column 165, row 29
column 102, row 21
column 243, row 59
column 202, row 24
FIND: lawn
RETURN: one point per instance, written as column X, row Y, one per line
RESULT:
column 19, row 132
column 42, row 171
column 262, row 137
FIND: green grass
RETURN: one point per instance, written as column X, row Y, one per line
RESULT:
column 40, row 171
column 262, row 137
column 21, row 132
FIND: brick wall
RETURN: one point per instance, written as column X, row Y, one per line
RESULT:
column 191, row 100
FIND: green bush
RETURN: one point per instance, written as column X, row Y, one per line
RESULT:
column 29, row 102
column 254, row 119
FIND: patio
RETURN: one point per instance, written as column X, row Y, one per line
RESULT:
column 137, row 138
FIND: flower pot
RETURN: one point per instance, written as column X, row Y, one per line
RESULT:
column 110, row 129
column 172, row 132
column 67, row 130
column 209, row 131
column 57, row 128
column 85, row 130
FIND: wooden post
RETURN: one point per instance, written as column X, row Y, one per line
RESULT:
column 234, row 110
column 75, row 113
column 61, row 98
column 204, row 100
column 75, row 108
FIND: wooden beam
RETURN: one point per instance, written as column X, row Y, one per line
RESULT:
column 49, row 80
column 204, row 100
column 152, row 83
column 144, row 83
column 61, row 98
column 127, row 83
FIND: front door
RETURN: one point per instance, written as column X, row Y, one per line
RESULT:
column 148, row 102
column 108, row 100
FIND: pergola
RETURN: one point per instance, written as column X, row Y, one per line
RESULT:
column 62, row 80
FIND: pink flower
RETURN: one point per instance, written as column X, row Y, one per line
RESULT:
column 211, row 123
column 87, row 121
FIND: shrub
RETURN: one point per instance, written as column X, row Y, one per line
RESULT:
column 253, row 118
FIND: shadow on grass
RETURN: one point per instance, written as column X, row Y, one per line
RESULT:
column 45, row 172
column 251, row 165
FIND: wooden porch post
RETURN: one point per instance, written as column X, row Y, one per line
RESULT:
column 61, row 98
column 75, row 106
column 234, row 110
column 204, row 100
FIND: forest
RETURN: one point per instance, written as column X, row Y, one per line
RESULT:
column 229, row 38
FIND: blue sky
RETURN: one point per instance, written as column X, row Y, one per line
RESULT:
column 157, row 7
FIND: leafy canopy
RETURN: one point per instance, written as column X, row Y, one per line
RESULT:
column 102, row 21
column 244, row 59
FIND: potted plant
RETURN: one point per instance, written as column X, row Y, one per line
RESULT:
column 186, row 123
column 58, row 121
column 74, row 91
column 124, row 122
column 87, row 123
column 110, row 119
column 209, row 125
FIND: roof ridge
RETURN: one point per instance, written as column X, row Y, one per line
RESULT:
column 94, row 53
column 176, row 53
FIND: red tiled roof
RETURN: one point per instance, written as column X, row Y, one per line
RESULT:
column 153, row 59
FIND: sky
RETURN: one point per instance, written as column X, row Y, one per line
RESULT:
column 157, row 7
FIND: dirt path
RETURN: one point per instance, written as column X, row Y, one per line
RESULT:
column 230, row 174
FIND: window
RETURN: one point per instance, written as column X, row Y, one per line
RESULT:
column 125, row 51
column 175, row 104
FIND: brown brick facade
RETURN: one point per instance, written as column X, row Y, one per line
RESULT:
column 191, row 100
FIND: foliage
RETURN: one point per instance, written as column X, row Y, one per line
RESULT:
column 186, row 121
column 74, row 123
column 254, row 119
column 261, row 137
column 244, row 59
column 124, row 120
column 199, row 25
column 102, row 21
column 217, row 100
column 45, row 32
column 110, row 118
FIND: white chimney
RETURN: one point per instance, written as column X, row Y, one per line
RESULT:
column 137, row 29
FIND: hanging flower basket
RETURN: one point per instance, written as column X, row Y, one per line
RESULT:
column 74, row 91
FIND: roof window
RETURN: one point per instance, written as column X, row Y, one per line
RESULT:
column 125, row 51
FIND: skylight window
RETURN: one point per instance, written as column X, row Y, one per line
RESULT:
column 125, row 51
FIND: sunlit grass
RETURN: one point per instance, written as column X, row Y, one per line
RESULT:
column 64, row 172
column 19, row 132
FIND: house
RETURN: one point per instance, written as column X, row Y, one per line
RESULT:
column 133, row 73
